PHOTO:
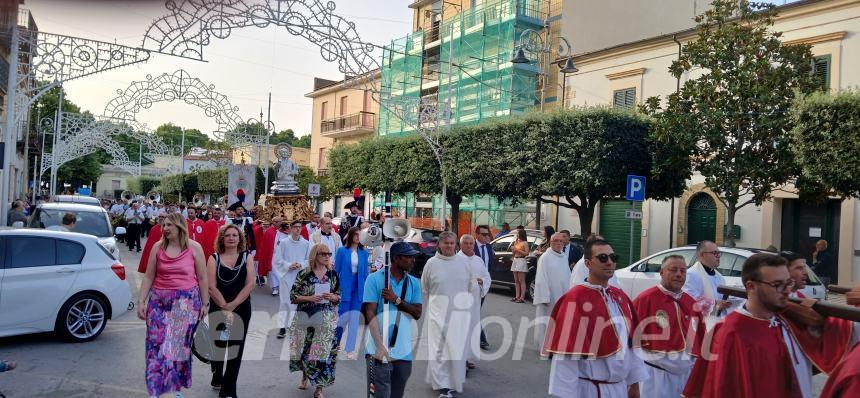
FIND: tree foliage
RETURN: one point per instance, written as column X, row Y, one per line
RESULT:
column 289, row 137
column 143, row 184
column 212, row 181
column 731, row 122
column 827, row 140
column 171, row 134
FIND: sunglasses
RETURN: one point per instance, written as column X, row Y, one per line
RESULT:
column 324, row 254
column 603, row 258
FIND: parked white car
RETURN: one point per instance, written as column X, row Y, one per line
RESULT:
column 645, row 273
column 64, row 282
column 91, row 220
column 84, row 200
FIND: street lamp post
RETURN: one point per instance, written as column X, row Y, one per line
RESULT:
column 537, row 46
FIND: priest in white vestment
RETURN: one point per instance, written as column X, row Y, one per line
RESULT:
column 703, row 280
column 447, row 310
column 290, row 257
column 479, row 287
column 551, row 282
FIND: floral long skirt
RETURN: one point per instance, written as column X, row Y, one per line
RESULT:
column 313, row 350
column 171, row 316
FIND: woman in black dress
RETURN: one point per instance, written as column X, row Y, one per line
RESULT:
column 231, row 268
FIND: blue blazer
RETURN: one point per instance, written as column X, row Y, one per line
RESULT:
column 343, row 266
column 490, row 252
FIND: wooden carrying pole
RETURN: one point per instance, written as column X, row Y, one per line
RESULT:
column 822, row 307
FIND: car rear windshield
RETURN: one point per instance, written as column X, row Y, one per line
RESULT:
column 430, row 235
column 88, row 222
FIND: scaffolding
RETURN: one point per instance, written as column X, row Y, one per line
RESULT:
column 464, row 59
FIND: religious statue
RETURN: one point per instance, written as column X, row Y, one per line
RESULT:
column 287, row 171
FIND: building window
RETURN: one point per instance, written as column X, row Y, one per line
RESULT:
column 115, row 184
column 625, row 98
column 323, row 161
column 821, row 72
column 323, row 110
column 343, row 103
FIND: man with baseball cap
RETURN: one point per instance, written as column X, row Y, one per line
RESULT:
column 389, row 363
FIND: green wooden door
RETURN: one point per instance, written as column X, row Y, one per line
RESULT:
column 701, row 219
column 615, row 228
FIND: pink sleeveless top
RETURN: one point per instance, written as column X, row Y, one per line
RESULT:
column 175, row 273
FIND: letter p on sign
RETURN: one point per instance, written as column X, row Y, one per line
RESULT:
column 635, row 188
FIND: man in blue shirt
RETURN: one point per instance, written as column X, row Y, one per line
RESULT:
column 389, row 363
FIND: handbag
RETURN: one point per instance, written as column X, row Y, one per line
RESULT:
column 202, row 345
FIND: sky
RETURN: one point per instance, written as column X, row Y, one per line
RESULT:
column 245, row 66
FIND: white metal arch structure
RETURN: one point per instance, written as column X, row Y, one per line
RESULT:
column 191, row 24
column 82, row 134
column 181, row 86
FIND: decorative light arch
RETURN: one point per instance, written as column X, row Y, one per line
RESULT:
column 191, row 25
column 181, row 86
column 83, row 134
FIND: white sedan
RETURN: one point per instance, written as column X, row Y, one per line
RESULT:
column 64, row 282
column 645, row 273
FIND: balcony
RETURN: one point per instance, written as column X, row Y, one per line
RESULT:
column 349, row 125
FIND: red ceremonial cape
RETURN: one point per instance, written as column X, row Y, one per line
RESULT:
column 580, row 323
column 747, row 358
column 844, row 381
column 658, row 314
column 196, row 230
column 266, row 250
column 154, row 236
column 210, row 232
column 825, row 347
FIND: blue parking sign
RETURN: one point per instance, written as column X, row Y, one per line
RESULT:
column 635, row 188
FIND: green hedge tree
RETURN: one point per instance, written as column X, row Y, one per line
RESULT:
column 827, row 141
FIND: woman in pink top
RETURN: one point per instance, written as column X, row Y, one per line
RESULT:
column 174, row 295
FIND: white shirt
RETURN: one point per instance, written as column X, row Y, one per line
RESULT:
column 354, row 258
column 117, row 208
column 483, row 253
column 130, row 214
column 57, row 228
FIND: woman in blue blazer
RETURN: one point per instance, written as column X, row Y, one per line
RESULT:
column 352, row 265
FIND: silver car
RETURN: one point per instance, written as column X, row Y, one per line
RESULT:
column 91, row 220
column 645, row 273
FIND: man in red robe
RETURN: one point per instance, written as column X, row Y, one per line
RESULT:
column 195, row 226
column 670, row 326
column 259, row 229
column 588, row 335
column 267, row 249
column 311, row 227
column 825, row 341
column 844, row 381
column 154, row 236
column 752, row 352
column 210, row 232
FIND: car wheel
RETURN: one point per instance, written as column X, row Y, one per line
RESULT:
column 82, row 318
column 531, row 289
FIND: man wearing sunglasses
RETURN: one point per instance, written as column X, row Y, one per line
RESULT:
column 756, row 354
column 702, row 282
column 588, row 335
column 579, row 273
column 484, row 250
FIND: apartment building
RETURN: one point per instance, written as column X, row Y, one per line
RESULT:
column 627, row 74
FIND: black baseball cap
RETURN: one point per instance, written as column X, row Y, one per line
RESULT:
column 403, row 249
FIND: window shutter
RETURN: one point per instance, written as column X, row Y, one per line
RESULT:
column 821, row 71
column 625, row 98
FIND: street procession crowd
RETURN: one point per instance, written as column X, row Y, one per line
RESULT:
column 339, row 301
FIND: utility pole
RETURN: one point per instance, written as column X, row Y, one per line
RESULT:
column 268, row 137
column 139, row 158
column 182, row 164
column 55, row 149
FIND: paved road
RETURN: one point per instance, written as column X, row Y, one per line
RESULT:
column 113, row 364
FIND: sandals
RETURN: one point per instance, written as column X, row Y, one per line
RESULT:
column 7, row 366
column 303, row 385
